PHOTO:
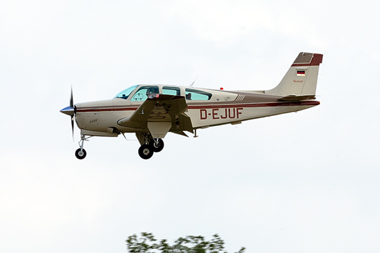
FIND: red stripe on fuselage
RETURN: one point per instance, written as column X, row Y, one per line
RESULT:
column 253, row 105
column 106, row 109
column 205, row 106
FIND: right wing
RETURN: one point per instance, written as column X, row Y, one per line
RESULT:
column 160, row 114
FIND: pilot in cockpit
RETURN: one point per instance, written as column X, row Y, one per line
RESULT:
column 151, row 90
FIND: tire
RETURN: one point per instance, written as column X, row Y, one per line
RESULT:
column 80, row 154
column 145, row 151
column 156, row 147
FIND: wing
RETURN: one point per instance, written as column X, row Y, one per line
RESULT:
column 160, row 114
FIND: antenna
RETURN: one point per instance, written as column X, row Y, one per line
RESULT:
column 191, row 85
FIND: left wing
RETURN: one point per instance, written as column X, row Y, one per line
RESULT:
column 160, row 114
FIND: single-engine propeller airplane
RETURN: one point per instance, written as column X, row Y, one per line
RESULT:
column 151, row 111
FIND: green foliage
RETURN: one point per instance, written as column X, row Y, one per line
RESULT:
column 189, row 244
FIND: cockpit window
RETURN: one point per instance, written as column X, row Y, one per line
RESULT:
column 143, row 93
column 192, row 94
column 125, row 93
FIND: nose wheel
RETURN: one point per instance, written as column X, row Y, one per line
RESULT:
column 80, row 153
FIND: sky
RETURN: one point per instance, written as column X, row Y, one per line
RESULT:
column 299, row 182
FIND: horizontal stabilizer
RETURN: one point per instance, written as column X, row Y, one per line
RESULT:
column 296, row 98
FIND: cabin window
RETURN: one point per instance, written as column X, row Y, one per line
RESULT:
column 143, row 92
column 192, row 94
column 125, row 93
column 168, row 90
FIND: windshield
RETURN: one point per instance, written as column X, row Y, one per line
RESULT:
column 125, row 93
column 143, row 92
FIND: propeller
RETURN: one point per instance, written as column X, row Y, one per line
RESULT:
column 70, row 110
column 72, row 116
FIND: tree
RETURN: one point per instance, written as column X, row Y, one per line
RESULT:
column 189, row 244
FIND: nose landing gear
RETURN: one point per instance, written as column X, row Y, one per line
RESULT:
column 81, row 153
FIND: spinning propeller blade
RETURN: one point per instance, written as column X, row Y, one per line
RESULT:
column 70, row 110
column 71, row 98
column 72, row 116
column 72, row 126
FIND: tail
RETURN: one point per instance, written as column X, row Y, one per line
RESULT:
column 301, row 78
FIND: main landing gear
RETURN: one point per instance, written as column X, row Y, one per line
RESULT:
column 81, row 153
column 146, row 150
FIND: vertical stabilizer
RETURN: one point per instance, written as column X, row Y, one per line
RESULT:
column 301, row 78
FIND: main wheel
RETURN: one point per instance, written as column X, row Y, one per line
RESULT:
column 156, row 147
column 80, row 154
column 145, row 151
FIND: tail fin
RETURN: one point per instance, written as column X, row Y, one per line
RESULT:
column 301, row 78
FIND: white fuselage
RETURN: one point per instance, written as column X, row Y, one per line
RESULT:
column 223, row 107
column 151, row 111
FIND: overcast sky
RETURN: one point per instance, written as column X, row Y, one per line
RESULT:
column 300, row 182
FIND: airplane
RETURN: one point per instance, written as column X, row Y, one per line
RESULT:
column 151, row 111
